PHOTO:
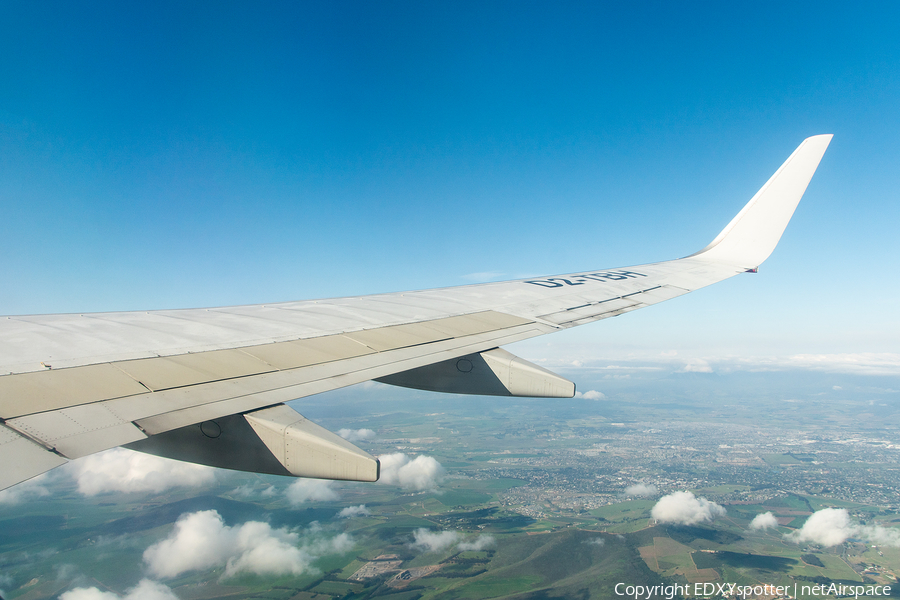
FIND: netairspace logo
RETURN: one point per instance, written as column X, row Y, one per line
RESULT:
column 708, row 590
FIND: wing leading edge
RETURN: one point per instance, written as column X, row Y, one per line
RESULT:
column 71, row 385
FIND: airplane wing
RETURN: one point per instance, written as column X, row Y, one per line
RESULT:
column 209, row 385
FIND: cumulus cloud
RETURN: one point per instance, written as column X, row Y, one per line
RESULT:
column 5, row 582
column 439, row 541
column 420, row 473
column 354, row 511
column 27, row 490
column 828, row 527
column 201, row 540
column 121, row 470
column 683, row 508
column 833, row 526
column 878, row 535
column 356, row 435
column 641, row 489
column 145, row 590
column 250, row 491
column 311, row 490
column 479, row 543
column 435, row 541
column 339, row 544
column 764, row 521
column 697, row 365
column 864, row 363
column 591, row 395
column 860, row 363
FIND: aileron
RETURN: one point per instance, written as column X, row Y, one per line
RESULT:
column 191, row 369
column 51, row 389
column 23, row 459
column 304, row 353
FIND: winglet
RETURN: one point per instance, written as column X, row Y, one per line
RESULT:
column 753, row 234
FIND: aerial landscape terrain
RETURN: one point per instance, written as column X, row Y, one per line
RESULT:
column 502, row 497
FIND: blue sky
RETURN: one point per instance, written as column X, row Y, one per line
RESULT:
column 161, row 155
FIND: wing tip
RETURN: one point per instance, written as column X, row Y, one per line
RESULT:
column 823, row 138
column 753, row 234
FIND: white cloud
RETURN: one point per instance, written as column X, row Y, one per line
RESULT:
column 763, row 521
column 201, row 540
column 683, row 508
column 833, row 526
column 68, row 571
column 356, row 435
column 250, row 491
column 859, row 363
column 121, row 470
column 354, row 511
column 262, row 550
column 641, row 489
column 145, row 590
column 479, row 543
column 243, row 491
column 311, row 490
column 435, row 541
column 420, row 473
column 591, row 395
column 878, row 535
column 863, row 363
column 602, row 364
column 697, row 365
column 828, row 527
column 90, row 593
column 339, row 544
column 439, row 541
column 27, row 490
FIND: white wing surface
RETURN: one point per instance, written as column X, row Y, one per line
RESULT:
column 169, row 381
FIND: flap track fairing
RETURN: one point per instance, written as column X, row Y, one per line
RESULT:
column 491, row 373
column 275, row 440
